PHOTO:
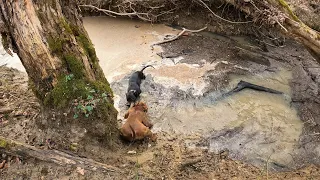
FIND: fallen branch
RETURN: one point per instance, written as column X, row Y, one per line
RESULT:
column 180, row 34
column 53, row 156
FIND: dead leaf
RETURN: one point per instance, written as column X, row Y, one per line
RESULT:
column 18, row 160
column 2, row 164
column 80, row 170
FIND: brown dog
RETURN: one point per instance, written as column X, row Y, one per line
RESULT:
column 137, row 126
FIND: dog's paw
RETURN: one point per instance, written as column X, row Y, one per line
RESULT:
column 154, row 137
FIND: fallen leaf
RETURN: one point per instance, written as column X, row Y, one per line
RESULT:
column 18, row 160
column 2, row 164
column 5, row 122
column 80, row 171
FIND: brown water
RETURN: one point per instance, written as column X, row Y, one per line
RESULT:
column 269, row 127
column 122, row 44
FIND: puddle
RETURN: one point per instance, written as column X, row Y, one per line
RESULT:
column 255, row 126
column 122, row 45
column 205, row 114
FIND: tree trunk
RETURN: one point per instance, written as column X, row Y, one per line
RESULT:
column 49, row 38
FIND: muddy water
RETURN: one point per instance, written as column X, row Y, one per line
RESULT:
column 204, row 114
column 254, row 126
column 123, row 44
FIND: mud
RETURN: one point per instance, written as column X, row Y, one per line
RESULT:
column 191, row 73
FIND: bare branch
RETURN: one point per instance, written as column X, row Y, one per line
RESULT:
column 180, row 34
column 108, row 12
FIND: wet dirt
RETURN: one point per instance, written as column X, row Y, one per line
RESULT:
column 182, row 100
column 194, row 71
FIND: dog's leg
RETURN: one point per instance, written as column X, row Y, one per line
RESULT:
column 126, row 115
column 127, row 132
column 146, row 122
column 150, row 135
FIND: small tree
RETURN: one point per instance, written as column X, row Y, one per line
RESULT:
column 61, row 62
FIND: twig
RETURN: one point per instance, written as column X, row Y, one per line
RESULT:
column 252, row 3
column 108, row 12
column 280, row 25
column 180, row 34
column 268, row 166
column 205, row 5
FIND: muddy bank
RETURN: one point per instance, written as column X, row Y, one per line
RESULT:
column 192, row 72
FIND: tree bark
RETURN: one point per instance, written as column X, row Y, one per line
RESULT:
column 61, row 62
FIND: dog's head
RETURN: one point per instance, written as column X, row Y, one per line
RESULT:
column 131, row 97
column 141, row 106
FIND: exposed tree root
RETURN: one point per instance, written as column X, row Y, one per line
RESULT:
column 53, row 156
column 219, row 17
column 128, row 9
column 277, row 12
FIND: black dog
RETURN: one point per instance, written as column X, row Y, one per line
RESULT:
column 134, row 86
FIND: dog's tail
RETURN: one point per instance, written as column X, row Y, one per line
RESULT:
column 146, row 67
